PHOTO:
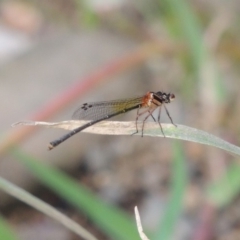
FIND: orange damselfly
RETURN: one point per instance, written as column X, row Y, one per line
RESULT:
column 99, row 111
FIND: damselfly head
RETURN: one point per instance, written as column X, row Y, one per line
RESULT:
column 165, row 97
column 171, row 97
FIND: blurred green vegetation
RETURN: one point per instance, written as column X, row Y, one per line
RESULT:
column 186, row 25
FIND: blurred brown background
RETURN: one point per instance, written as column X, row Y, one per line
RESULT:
column 48, row 46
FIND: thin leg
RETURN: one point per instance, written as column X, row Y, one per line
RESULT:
column 138, row 115
column 152, row 116
column 144, row 120
column 169, row 116
column 159, row 114
column 136, row 122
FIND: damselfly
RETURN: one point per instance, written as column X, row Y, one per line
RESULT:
column 99, row 111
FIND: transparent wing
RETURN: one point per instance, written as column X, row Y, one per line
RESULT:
column 97, row 110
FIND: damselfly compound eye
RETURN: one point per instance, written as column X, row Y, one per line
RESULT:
column 172, row 97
